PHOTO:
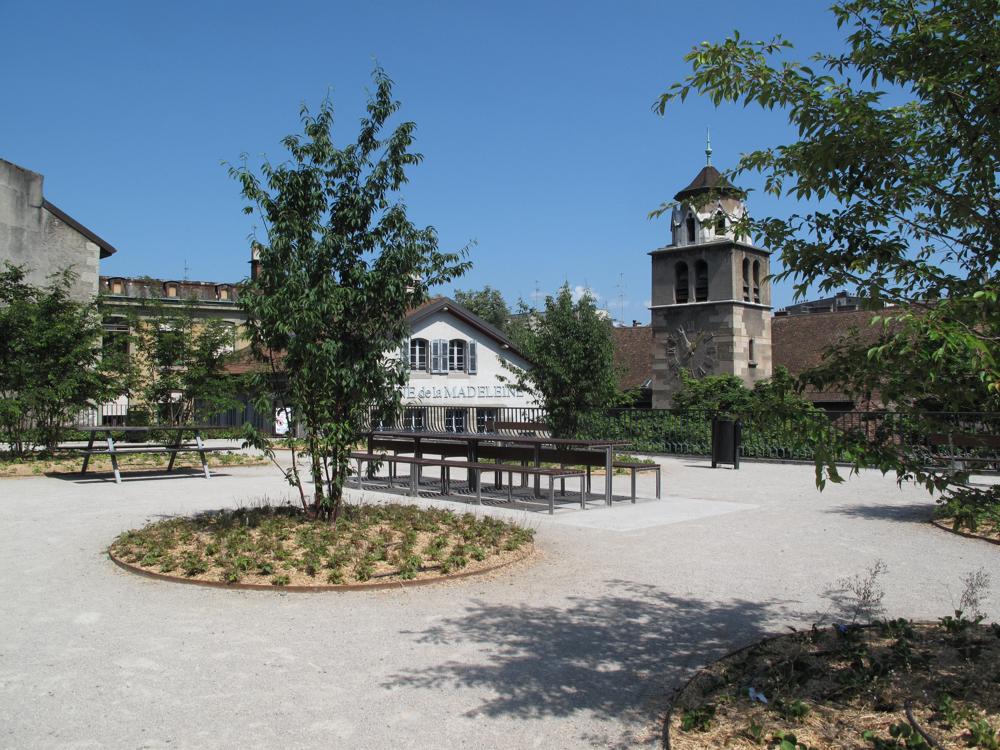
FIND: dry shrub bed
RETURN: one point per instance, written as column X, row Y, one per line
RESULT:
column 280, row 545
column 70, row 463
column 892, row 684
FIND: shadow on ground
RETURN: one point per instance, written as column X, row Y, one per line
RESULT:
column 912, row 513
column 137, row 475
column 615, row 657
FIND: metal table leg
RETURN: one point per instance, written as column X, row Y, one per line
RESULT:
column 609, row 475
column 86, row 456
column 114, row 458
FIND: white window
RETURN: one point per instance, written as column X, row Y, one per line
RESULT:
column 454, row 420
column 413, row 420
column 418, row 354
column 439, row 355
column 456, row 355
column 486, row 420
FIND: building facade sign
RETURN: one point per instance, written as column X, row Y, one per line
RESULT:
column 463, row 391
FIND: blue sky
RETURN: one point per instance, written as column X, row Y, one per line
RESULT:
column 534, row 119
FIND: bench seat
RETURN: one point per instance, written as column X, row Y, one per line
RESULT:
column 474, row 467
column 134, row 449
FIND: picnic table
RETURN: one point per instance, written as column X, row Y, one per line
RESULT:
column 173, row 446
column 474, row 440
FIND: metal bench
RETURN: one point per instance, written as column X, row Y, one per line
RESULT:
column 475, row 468
column 115, row 449
column 587, row 459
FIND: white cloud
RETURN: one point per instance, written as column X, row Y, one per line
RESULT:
column 579, row 290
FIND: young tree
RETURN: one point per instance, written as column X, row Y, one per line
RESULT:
column 178, row 364
column 488, row 303
column 340, row 265
column 899, row 145
column 51, row 362
column 572, row 354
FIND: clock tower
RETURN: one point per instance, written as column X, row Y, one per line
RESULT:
column 711, row 301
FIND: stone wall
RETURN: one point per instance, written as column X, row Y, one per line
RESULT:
column 34, row 236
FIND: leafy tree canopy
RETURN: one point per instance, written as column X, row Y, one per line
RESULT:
column 774, row 399
column 340, row 265
column 51, row 361
column 488, row 303
column 178, row 363
column 572, row 354
column 898, row 149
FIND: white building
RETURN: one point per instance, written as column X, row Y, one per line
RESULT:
column 460, row 367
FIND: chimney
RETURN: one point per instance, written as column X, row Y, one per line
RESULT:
column 635, row 323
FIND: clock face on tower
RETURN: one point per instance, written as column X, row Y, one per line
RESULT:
column 693, row 350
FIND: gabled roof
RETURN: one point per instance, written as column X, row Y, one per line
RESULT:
column 243, row 360
column 708, row 179
column 107, row 249
column 445, row 304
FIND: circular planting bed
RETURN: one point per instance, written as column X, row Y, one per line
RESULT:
column 888, row 685
column 983, row 532
column 280, row 547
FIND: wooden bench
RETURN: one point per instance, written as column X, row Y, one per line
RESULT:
column 475, row 469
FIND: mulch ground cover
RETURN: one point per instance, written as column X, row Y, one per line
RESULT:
column 282, row 546
column 893, row 684
column 69, row 463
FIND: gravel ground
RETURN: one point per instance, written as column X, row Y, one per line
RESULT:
column 577, row 650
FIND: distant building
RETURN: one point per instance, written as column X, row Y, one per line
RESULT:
column 459, row 368
column 711, row 298
column 44, row 239
column 840, row 302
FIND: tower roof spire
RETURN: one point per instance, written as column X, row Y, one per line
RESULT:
column 708, row 147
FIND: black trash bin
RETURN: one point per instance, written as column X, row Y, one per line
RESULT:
column 727, row 434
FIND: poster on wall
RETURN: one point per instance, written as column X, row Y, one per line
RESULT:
column 282, row 420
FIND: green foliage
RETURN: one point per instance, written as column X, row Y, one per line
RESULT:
column 51, row 361
column 898, row 151
column 754, row 732
column 179, row 362
column 793, row 710
column 340, row 265
column 714, row 394
column 901, row 736
column 571, row 350
column 787, row 741
column 368, row 541
column 698, row 719
column 488, row 303
column 982, row 734
column 777, row 422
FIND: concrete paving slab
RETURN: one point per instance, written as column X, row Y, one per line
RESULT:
column 577, row 650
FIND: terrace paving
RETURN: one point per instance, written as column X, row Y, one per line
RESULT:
column 577, row 650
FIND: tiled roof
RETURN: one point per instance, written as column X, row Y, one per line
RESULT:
column 634, row 356
column 709, row 178
column 799, row 342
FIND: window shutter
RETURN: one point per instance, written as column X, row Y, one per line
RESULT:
column 439, row 354
column 404, row 353
column 472, row 358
